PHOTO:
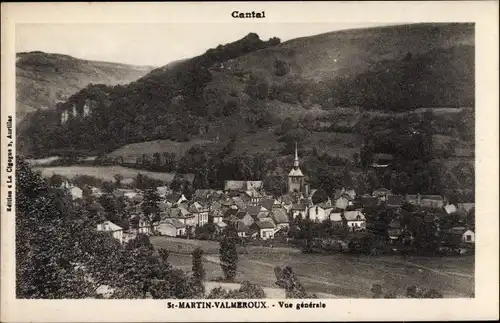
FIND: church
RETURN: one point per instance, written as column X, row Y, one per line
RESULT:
column 297, row 182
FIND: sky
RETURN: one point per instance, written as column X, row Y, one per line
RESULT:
column 152, row 44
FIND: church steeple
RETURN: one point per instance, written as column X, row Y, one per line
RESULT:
column 296, row 160
column 295, row 177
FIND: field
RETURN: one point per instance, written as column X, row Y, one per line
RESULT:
column 105, row 173
column 157, row 146
column 342, row 275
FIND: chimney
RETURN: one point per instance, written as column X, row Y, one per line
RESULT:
column 306, row 190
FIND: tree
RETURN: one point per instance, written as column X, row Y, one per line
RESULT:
column 320, row 196
column 150, row 208
column 432, row 293
column 176, row 184
column 198, row 270
column 59, row 254
column 118, row 179
column 287, row 279
column 377, row 291
column 141, row 240
column 247, row 290
column 56, row 180
column 275, row 184
column 228, row 254
column 108, row 187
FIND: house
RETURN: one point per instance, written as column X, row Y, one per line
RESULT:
column 183, row 215
column 254, row 196
column 172, row 227
column 115, row 230
column 245, row 217
column 450, row 209
column 394, row 230
column 230, row 212
column 76, row 192
column 382, row 194
column 143, row 226
column 280, row 218
column 355, row 220
column 257, row 211
column 202, row 194
column 96, row 192
column 215, row 206
column 343, row 201
column 137, row 198
column 427, row 201
column 200, row 213
column 394, row 201
column 175, row 199
column 217, row 216
column 268, row 204
column 117, row 193
column 241, row 228
column 459, row 235
column 227, row 204
column 299, row 209
column 382, row 160
column 336, row 218
column 231, row 219
column 344, row 198
column 317, row 213
column 163, row 206
column 413, row 199
column 265, row 228
column 432, row 201
column 163, row 191
column 238, row 201
column 129, row 193
column 220, row 226
column 326, row 204
column 242, row 186
column 351, row 193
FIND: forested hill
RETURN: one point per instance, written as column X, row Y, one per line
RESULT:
column 252, row 84
column 43, row 79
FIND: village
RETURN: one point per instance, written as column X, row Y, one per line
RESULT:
column 398, row 221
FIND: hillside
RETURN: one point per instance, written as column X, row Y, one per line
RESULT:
column 43, row 79
column 327, row 81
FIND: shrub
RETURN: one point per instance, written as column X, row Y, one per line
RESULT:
column 228, row 254
column 230, row 108
column 281, row 68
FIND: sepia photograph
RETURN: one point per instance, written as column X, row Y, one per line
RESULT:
column 302, row 162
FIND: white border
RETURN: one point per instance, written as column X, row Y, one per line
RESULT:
column 485, row 16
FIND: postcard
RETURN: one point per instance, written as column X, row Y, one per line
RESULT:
column 257, row 161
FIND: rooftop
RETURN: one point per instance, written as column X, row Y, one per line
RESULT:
column 265, row 223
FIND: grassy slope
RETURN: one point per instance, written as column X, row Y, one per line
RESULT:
column 105, row 173
column 42, row 78
column 157, row 146
column 351, row 52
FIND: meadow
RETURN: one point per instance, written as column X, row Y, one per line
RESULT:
column 341, row 275
column 105, row 173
